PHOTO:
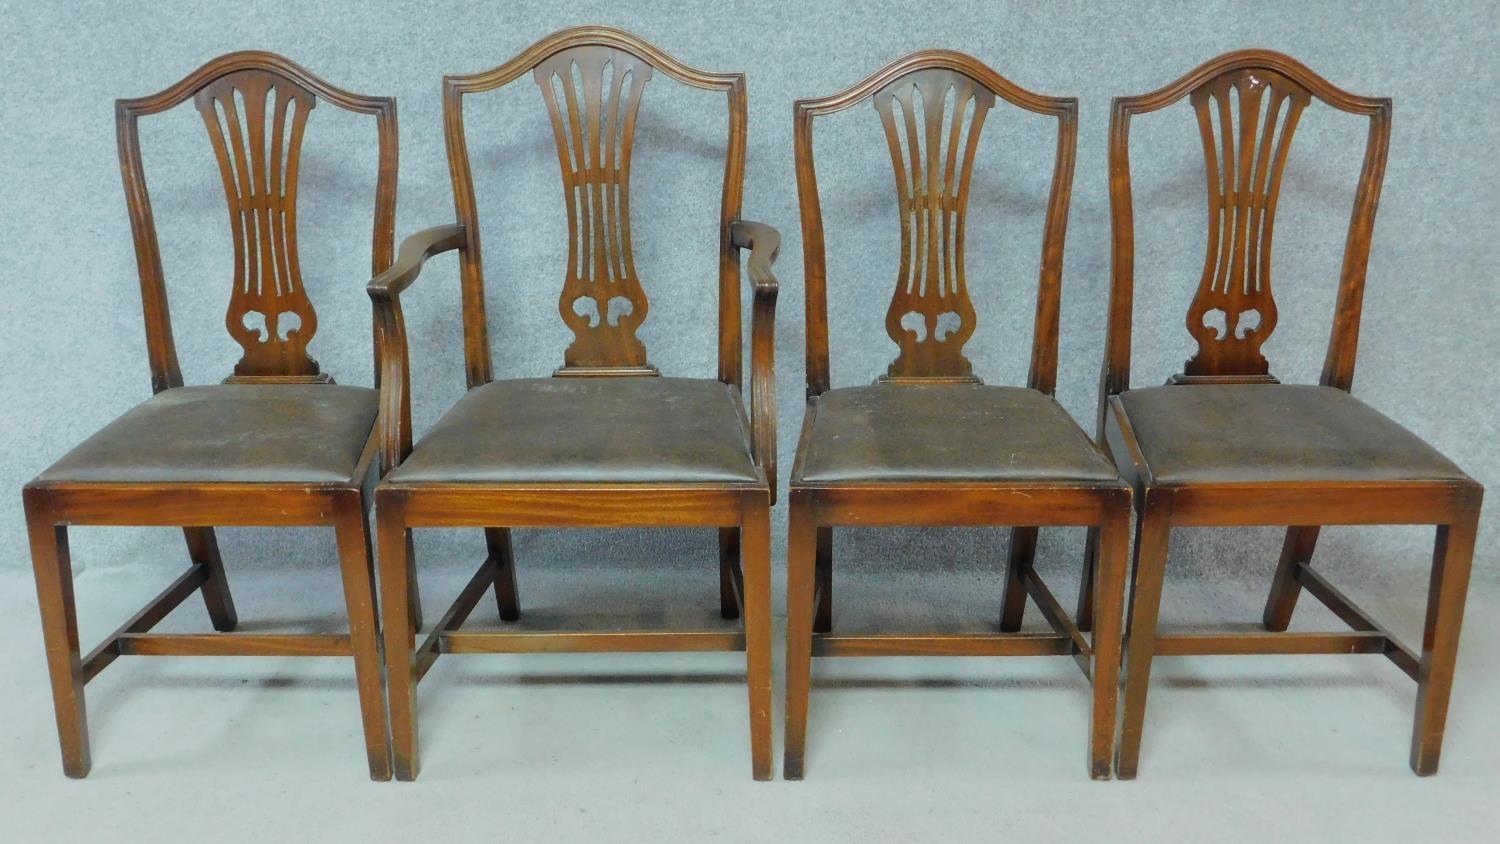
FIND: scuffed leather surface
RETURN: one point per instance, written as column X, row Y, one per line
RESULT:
column 1251, row 433
column 586, row 430
column 229, row 433
column 948, row 432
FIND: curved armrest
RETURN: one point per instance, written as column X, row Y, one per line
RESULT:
column 763, row 243
column 415, row 251
column 392, row 374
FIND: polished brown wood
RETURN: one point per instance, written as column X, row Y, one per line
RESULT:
column 269, row 313
column 932, row 106
column 594, row 127
column 255, row 107
column 592, row 81
column 931, row 316
column 1246, row 119
column 1247, row 106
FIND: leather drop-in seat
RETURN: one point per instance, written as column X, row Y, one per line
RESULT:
column 229, row 433
column 948, row 432
column 1256, row 433
column 587, row 430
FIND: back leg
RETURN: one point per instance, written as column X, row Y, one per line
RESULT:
column 729, row 566
column 413, row 594
column 506, row 594
column 1084, row 618
column 1295, row 550
column 203, row 547
column 756, row 533
column 823, row 620
column 1022, row 553
column 801, row 554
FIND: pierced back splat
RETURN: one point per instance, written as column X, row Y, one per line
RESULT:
column 1246, row 119
column 593, row 95
column 1268, row 91
column 256, row 121
column 932, row 122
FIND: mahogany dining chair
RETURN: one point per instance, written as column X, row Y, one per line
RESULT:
column 1224, row 443
column 606, row 442
column 277, row 444
column 929, row 444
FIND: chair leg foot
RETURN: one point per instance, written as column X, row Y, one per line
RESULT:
column 1451, row 562
column 507, row 595
column 801, row 564
column 203, row 547
column 791, row 769
column 54, row 587
column 1018, row 560
column 1285, row 589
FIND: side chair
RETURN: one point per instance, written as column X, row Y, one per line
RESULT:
column 1224, row 443
column 929, row 444
column 639, row 449
column 276, row 444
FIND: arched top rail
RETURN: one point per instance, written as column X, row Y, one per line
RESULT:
column 257, row 60
column 937, row 60
column 591, row 36
column 1242, row 60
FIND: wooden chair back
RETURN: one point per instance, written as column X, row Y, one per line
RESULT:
column 933, row 106
column 255, row 106
column 592, row 80
column 1247, row 105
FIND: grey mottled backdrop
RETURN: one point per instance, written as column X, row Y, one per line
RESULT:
column 73, row 340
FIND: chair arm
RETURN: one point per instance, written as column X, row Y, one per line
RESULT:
column 763, row 243
column 415, row 251
column 392, row 371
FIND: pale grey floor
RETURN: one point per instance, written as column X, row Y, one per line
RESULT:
column 530, row 748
